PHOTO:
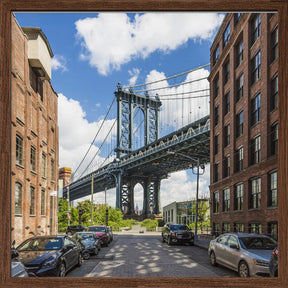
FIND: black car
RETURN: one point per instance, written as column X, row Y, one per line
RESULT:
column 75, row 228
column 90, row 241
column 273, row 264
column 177, row 233
column 49, row 256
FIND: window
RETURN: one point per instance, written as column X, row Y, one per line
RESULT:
column 274, row 93
column 226, row 170
column 216, row 54
column 255, row 66
column 255, row 28
column 18, row 198
column 256, row 109
column 239, row 159
column 216, row 86
column 274, row 40
column 239, row 124
column 19, row 150
column 216, row 172
column 273, row 230
column 226, row 200
column 52, row 170
column 239, row 53
column 225, row 227
column 43, row 202
column 255, row 150
column 274, row 139
column 273, row 189
column 226, row 135
column 43, row 165
column 237, row 17
column 33, row 159
column 238, row 197
column 239, row 87
column 227, row 103
column 226, row 35
column 216, row 202
column 216, row 114
column 255, row 194
column 239, row 227
column 216, row 229
column 255, row 228
column 226, row 70
column 35, row 81
column 32, row 200
column 216, row 144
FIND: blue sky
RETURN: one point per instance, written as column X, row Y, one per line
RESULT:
column 93, row 52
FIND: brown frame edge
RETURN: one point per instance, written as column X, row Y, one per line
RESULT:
column 9, row 6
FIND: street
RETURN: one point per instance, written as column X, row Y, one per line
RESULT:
column 147, row 256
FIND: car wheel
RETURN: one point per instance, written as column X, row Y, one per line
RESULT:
column 191, row 243
column 169, row 241
column 243, row 269
column 86, row 255
column 61, row 270
column 213, row 259
column 80, row 260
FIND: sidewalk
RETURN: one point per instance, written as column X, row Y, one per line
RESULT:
column 202, row 242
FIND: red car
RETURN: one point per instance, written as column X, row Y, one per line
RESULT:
column 102, row 233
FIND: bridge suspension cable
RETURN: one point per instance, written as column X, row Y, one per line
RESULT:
column 168, row 78
column 97, row 133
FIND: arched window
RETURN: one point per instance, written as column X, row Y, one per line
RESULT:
column 18, row 198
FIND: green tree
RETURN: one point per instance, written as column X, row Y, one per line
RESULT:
column 203, row 215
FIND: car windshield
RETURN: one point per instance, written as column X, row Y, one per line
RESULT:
column 86, row 237
column 179, row 227
column 258, row 243
column 97, row 229
column 40, row 244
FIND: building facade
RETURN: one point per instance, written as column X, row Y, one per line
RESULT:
column 244, row 124
column 34, row 132
column 184, row 212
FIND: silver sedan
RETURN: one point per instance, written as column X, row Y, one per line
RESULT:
column 248, row 254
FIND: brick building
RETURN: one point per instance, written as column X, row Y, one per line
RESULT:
column 244, row 124
column 34, row 132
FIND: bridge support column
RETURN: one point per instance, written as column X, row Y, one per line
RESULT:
column 127, row 196
column 151, row 201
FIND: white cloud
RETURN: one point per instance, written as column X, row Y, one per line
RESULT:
column 134, row 73
column 76, row 134
column 59, row 62
column 113, row 39
column 181, row 108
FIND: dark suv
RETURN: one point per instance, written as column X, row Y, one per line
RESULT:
column 177, row 233
column 75, row 228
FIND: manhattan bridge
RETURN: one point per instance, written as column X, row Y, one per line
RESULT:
column 151, row 119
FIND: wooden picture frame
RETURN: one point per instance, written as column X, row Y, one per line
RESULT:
column 9, row 6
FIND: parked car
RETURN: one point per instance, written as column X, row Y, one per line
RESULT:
column 273, row 264
column 17, row 267
column 177, row 233
column 102, row 233
column 49, row 255
column 75, row 228
column 90, row 241
column 110, row 233
column 248, row 254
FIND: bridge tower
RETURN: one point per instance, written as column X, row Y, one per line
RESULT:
column 127, row 103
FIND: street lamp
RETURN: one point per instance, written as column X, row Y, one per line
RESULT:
column 197, row 187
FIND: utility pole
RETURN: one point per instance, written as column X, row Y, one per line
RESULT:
column 92, row 192
column 106, row 208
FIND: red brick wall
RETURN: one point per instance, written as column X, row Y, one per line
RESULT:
column 36, row 122
column 268, row 163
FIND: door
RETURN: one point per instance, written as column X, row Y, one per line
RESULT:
column 232, row 253
column 220, row 249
